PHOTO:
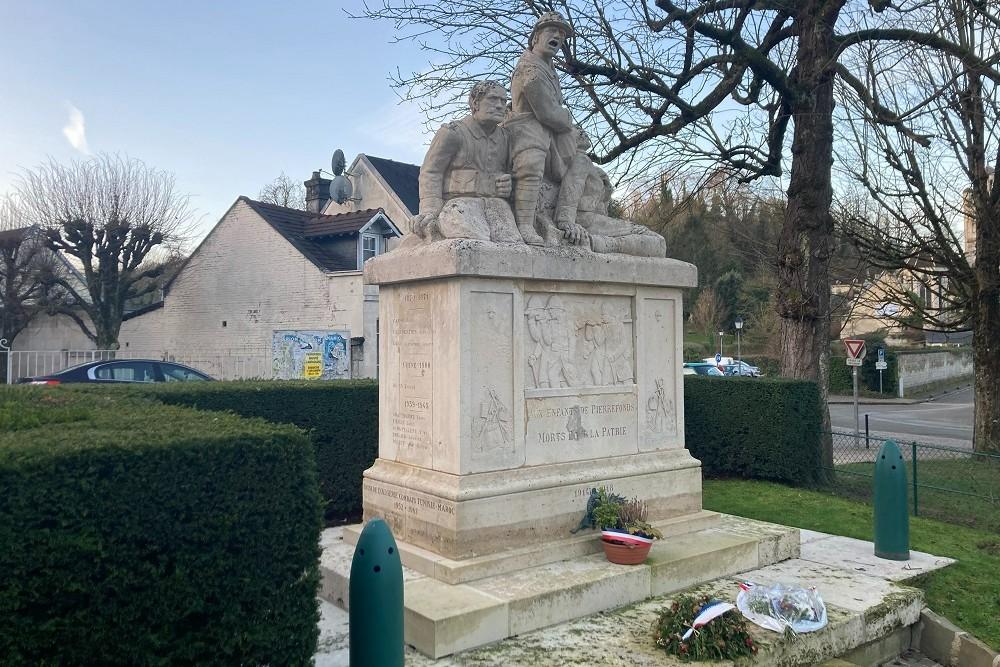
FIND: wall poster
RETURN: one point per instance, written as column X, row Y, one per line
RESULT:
column 311, row 355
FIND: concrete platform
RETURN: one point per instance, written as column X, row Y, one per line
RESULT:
column 442, row 619
column 871, row 616
column 875, row 611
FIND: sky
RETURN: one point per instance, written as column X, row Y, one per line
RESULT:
column 225, row 95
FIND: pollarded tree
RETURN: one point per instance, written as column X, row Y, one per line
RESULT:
column 111, row 215
column 735, row 81
column 25, row 267
column 919, row 186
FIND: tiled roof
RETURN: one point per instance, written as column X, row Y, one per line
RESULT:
column 402, row 178
column 304, row 229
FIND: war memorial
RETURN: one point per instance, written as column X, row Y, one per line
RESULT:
column 530, row 352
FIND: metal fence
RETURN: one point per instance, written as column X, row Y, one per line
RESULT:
column 230, row 365
column 948, row 482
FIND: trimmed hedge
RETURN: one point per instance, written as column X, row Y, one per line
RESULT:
column 757, row 428
column 137, row 533
column 340, row 417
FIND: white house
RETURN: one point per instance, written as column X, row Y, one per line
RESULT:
column 268, row 285
column 265, row 274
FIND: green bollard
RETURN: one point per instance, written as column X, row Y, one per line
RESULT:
column 892, row 518
column 376, row 599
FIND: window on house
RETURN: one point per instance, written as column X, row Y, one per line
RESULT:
column 369, row 247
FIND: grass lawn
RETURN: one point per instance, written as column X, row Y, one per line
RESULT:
column 976, row 476
column 967, row 593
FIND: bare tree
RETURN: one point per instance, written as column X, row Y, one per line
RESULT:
column 112, row 216
column 707, row 313
column 729, row 80
column 26, row 267
column 920, row 185
column 283, row 191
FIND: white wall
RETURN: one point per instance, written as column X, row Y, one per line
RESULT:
column 53, row 332
column 923, row 368
column 246, row 275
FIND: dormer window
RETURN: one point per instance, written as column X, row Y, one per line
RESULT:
column 370, row 246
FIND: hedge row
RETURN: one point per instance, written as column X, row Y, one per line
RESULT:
column 759, row 428
column 841, row 380
column 340, row 418
column 136, row 533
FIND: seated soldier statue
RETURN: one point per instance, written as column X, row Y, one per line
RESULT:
column 465, row 179
column 582, row 211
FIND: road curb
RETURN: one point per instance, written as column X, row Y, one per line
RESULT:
column 864, row 400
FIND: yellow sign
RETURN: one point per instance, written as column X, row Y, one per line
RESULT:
column 313, row 366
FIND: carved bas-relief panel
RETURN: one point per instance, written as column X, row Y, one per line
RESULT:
column 578, row 340
column 489, row 415
column 411, row 335
column 658, row 382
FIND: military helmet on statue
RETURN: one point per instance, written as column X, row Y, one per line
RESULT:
column 550, row 19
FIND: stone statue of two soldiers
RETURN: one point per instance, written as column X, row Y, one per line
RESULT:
column 534, row 154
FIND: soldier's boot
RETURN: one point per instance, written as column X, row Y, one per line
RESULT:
column 528, row 168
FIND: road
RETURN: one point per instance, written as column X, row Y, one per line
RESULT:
column 947, row 417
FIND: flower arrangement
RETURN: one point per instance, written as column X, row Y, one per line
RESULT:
column 616, row 513
column 626, row 532
column 724, row 638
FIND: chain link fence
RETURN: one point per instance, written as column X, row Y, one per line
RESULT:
column 951, row 483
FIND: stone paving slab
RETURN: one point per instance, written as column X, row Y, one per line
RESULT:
column 859, row 555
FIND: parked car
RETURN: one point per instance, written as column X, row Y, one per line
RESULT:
column 700, row 368
column 741, row 368
column 119, row 371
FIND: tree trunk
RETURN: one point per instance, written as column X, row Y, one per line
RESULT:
column 986, row 332
column 804, row 247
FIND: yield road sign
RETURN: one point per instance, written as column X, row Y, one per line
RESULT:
column 855, row 349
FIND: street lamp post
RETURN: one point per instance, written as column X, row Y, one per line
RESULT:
column 721, row 334
column 739, row 353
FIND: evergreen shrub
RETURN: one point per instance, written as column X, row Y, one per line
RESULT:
column 754, row 428
column 138, row 533
column 340, row 417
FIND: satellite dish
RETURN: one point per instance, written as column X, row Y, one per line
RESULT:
column 338, row 163
column 340, row 188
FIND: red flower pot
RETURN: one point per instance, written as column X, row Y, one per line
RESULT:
column 625, row 549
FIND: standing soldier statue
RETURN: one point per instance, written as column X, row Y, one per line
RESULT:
column 540, row 126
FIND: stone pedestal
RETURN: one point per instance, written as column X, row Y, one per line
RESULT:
column 513, row 380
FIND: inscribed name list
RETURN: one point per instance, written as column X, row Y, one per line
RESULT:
column 574, row 428
column 412, row 338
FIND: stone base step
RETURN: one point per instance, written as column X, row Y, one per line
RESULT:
column 584, row 543
column 441, row 618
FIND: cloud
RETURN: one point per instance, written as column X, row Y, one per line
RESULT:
column 75, row 131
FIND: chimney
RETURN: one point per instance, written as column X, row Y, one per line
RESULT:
column 317, row 193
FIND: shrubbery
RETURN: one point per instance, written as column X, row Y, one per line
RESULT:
column 135, row 533
column 759, row 428
column 340, row 417
column 841, row 376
